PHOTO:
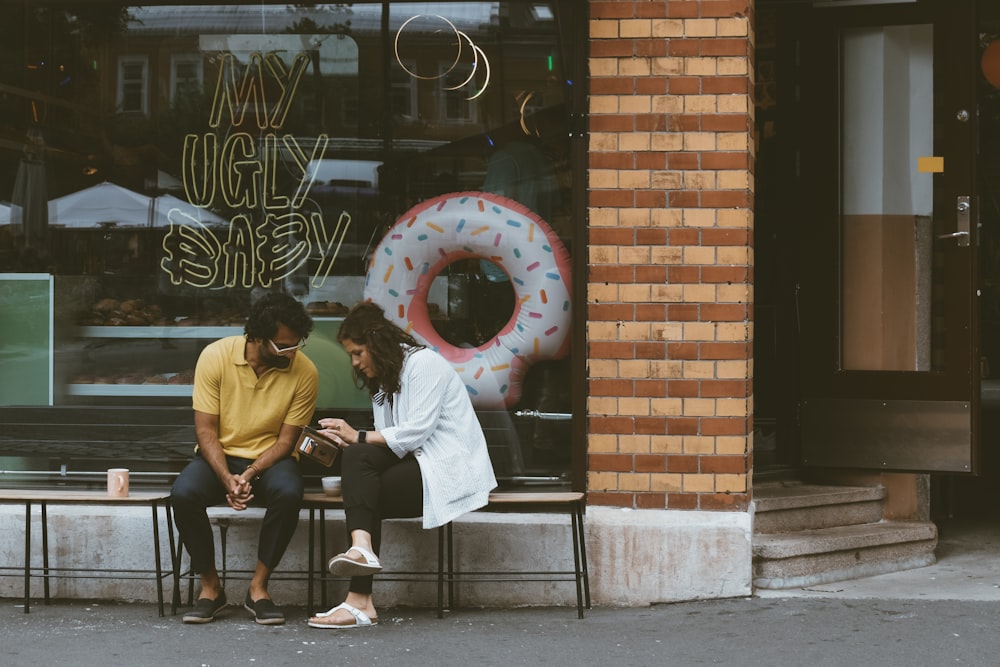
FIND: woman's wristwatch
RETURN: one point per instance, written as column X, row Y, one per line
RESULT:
column 362, row 437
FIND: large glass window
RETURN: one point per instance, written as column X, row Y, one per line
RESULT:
column 165, row 164
column 888, row 197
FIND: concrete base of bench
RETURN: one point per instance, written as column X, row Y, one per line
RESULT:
column 635, row 557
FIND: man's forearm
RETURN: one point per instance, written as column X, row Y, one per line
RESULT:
column 272, row 455
column 212, row 452
column 282, row 448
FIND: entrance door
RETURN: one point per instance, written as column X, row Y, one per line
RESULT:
column 888, row 310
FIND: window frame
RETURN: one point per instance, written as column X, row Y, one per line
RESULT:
column 178, row 59
column 122, row 83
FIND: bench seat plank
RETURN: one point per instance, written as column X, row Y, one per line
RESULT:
column 80, row 496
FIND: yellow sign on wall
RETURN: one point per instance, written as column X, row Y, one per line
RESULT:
column 930, row 165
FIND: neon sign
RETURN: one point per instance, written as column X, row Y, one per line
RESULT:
column 240, row 172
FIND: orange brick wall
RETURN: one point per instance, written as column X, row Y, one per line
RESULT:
column 670, row 286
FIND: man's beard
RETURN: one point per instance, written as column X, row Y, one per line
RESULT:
column 277, row 360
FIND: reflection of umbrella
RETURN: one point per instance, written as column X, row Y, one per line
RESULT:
column 29, row 212
column 165, row 181
column 169, row 207
column 105, row 203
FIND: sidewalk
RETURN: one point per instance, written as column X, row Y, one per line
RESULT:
column 749, row 631
column 947, row 613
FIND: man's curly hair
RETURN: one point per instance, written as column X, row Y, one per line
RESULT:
column 277, row 308
column 367, row 325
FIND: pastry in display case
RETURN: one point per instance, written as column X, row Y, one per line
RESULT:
column 326, row 308
column 128, row 340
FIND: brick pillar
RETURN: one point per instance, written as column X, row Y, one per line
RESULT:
column 669, row 330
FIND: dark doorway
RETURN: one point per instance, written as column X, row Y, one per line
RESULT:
column 785, row 131
column 965, row 497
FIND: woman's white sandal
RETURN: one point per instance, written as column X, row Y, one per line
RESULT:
column 342, row 565
column 361, row 619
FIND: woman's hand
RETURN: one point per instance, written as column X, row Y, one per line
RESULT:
column 339, row 431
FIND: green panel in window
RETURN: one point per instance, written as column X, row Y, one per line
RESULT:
column 25, row 339
column 336, row 382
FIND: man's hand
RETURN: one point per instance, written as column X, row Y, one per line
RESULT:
column 239, row 493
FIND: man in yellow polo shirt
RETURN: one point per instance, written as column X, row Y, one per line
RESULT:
column 252, row 396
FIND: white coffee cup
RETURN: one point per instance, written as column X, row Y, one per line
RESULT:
column 331, row 486
column 118, row 482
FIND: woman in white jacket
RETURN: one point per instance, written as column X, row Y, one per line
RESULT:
column 426, row 457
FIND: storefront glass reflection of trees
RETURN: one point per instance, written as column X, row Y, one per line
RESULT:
column 166, row 162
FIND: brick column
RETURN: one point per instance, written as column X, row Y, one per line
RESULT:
column 669, row 330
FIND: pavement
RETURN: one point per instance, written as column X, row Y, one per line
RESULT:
column 943, row 614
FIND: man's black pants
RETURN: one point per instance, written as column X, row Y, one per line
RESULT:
column 197, row 488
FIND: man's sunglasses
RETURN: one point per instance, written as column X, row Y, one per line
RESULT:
column 281, row 350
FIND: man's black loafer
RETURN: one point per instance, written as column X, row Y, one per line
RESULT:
column 204, row 610
column 264, row 611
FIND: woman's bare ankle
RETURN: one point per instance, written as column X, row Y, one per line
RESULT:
column 361, row 601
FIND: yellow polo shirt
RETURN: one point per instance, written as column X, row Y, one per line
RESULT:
column 251, row 410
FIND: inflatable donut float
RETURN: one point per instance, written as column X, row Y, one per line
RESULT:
column 466, row 225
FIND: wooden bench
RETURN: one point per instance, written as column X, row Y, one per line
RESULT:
column 45, row 498
column 64, row 452
column 66, row 448
column 571, row 502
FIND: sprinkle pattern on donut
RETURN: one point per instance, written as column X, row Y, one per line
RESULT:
column 464, row 225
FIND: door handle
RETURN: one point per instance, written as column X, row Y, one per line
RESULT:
column 963, row 216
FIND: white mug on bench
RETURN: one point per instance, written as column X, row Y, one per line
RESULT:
column 118, row 482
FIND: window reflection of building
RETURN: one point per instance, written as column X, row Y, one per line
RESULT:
column 456, row 105
column 133, row 84
column 186, row 76
column 403, row 94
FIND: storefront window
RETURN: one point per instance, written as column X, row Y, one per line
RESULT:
column 165, row 164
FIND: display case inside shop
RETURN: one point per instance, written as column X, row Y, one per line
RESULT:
column 132, row 341
column 125, row 338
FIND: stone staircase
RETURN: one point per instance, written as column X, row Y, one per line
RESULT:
column 809, row 534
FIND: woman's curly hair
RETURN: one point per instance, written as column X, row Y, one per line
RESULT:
column 367, row 325
column 276, row 308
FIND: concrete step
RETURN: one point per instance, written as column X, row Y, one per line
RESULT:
column 811, row 557
column 784, row 507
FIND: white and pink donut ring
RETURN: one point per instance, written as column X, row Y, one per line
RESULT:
column 463, row 225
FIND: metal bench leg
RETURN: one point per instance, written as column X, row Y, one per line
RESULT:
column 158, row 560
column 311, row 575
column 27, row 557
column 440, row 573
column 45, row 548
column 451, row 566
column 576, row 561
column 190, row 583
column 583, row 555
column 323, row 579
column 223, row 530
column 175, row 560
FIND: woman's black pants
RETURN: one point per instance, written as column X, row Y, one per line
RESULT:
column 378, row 485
